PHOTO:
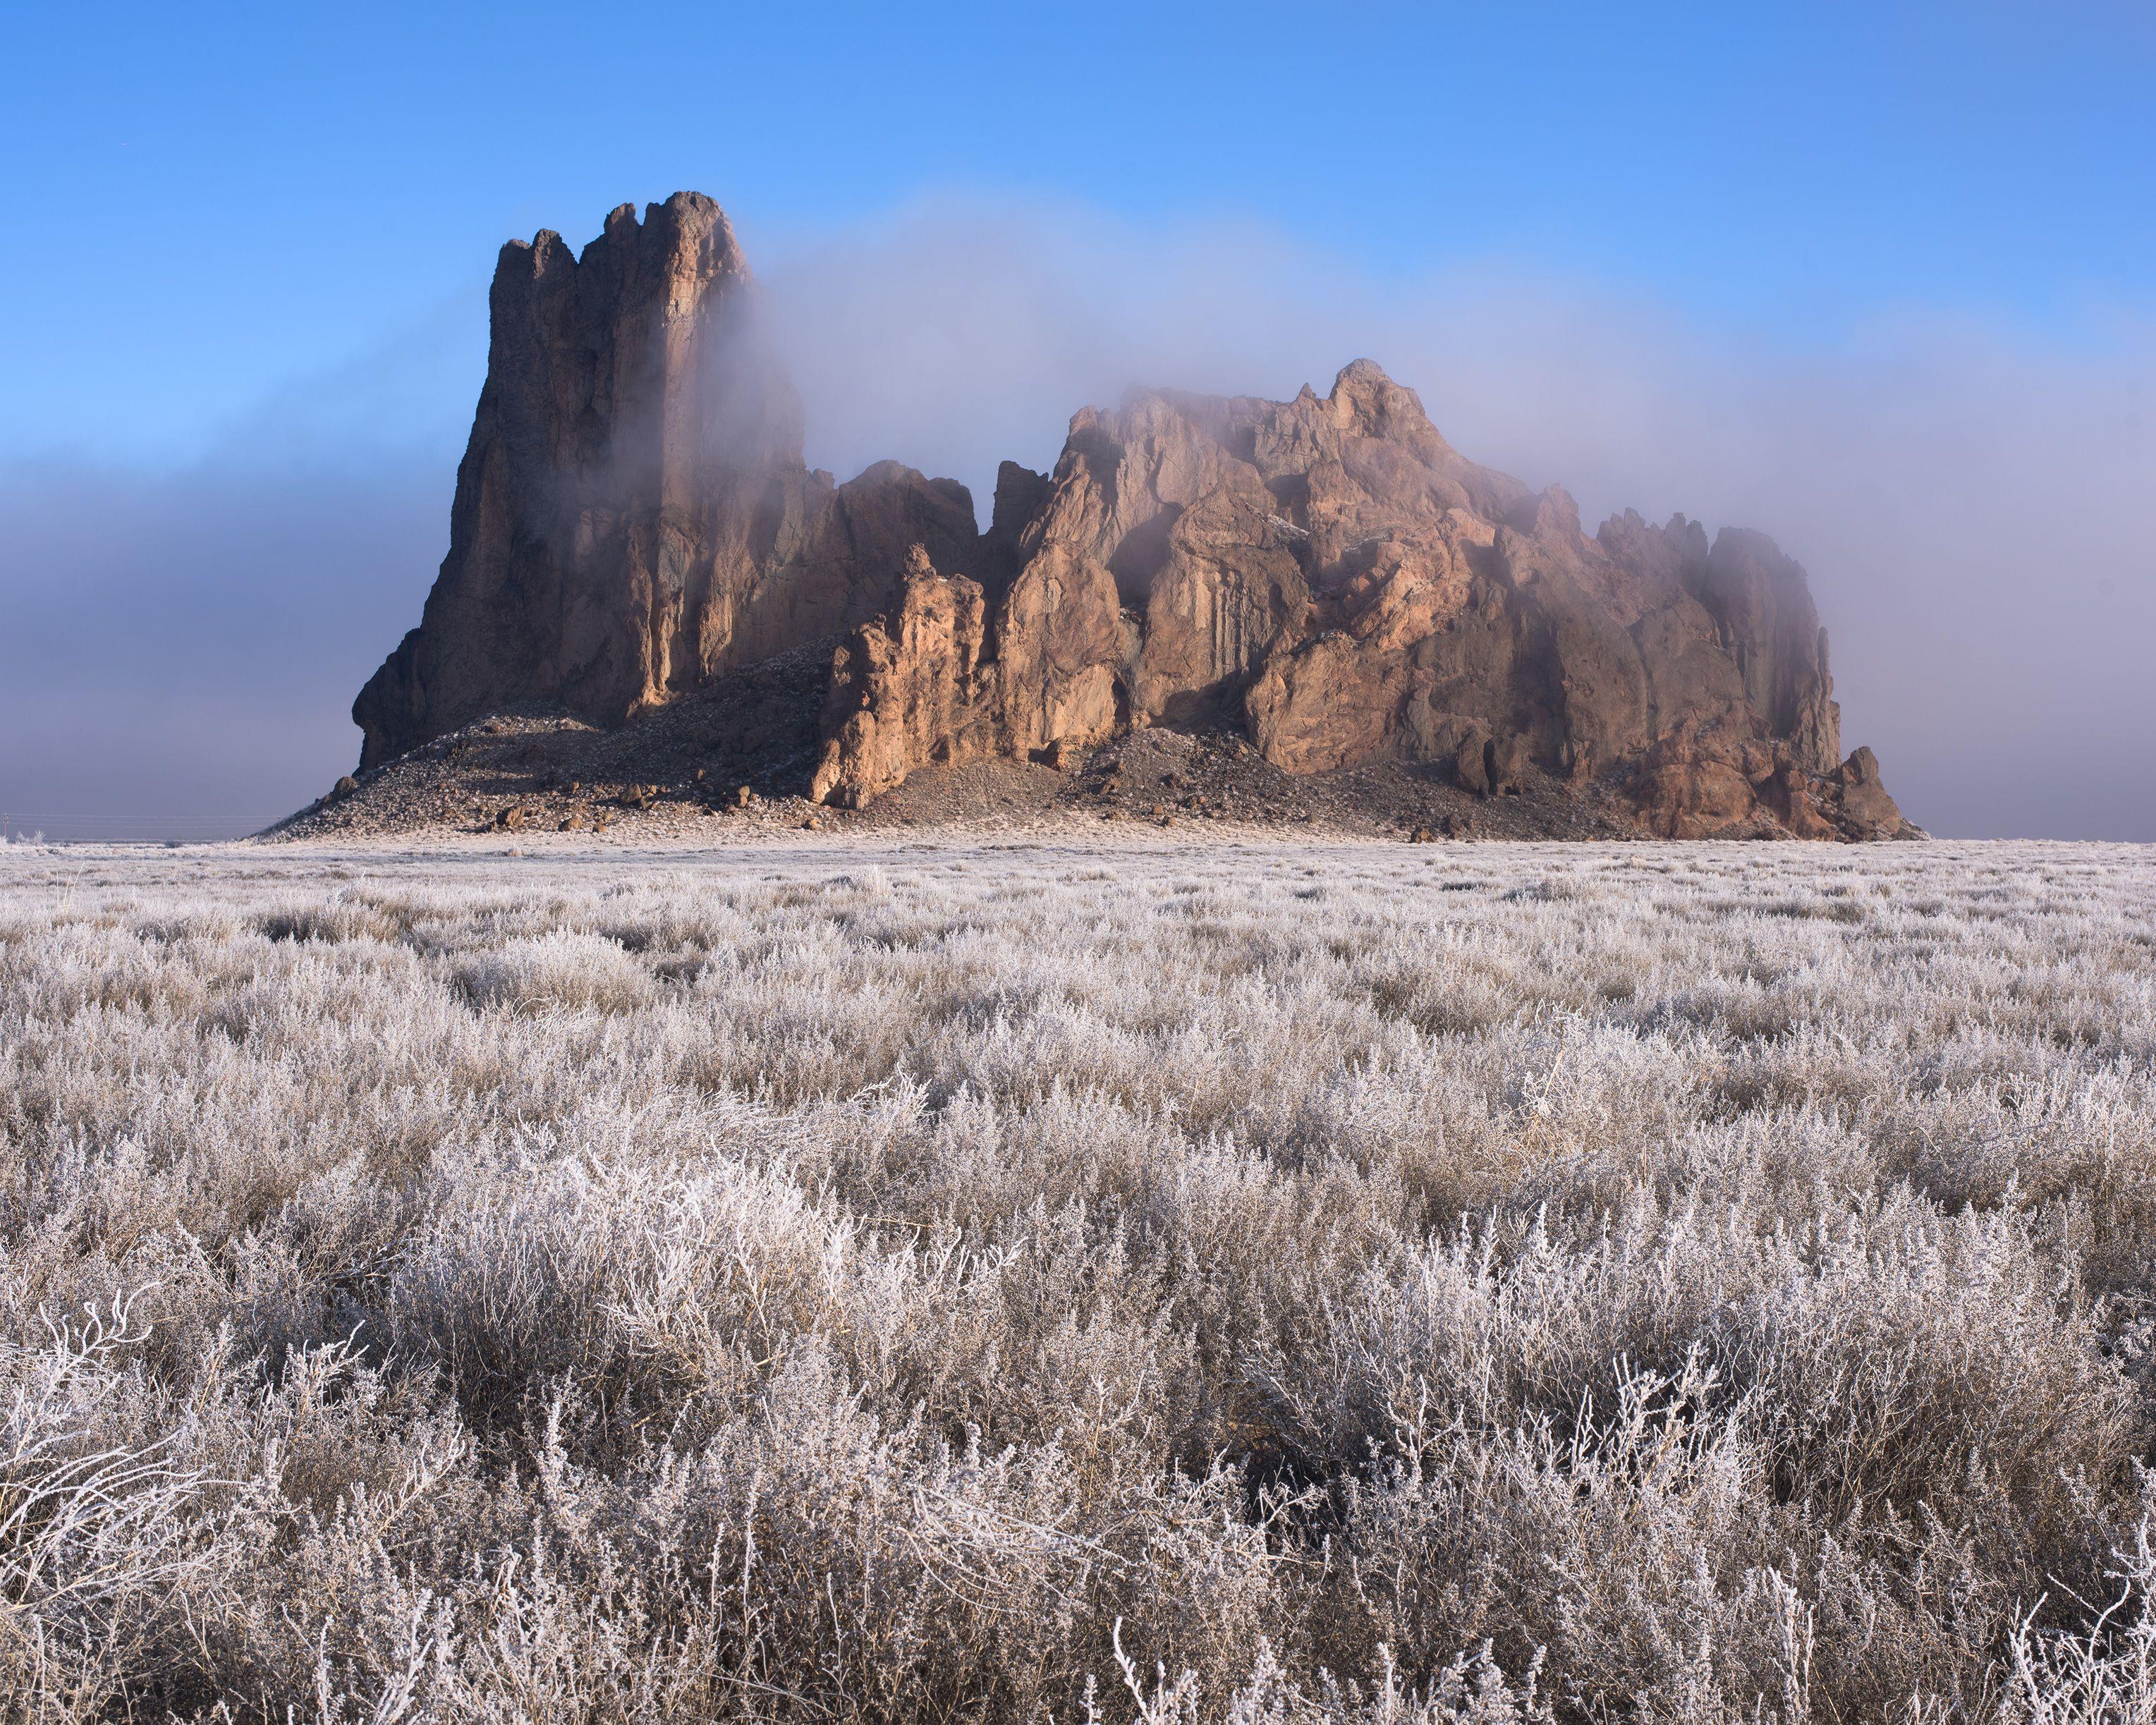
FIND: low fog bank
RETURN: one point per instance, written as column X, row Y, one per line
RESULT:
column 181, row 649
column 181, row 646
column 1970, row 505
column 183, row 640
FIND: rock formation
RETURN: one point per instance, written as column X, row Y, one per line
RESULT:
column 1327, row 576
column 633, row 515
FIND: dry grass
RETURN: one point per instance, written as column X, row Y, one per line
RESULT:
column 1357, row 1284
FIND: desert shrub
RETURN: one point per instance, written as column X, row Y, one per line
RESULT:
column 1354, row 1284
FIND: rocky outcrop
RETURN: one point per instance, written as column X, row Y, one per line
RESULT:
column 1325, row 576
column 907, row 691
column 1332, row 577
column 633, row 515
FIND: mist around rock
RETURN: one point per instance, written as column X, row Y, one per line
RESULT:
column 1326, row 577
column 1968, row 497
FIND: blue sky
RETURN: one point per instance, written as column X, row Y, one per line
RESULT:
column 205, row 201
column 246, row 239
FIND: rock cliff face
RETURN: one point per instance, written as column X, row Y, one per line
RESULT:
column 633, row 515
column 1327, row 576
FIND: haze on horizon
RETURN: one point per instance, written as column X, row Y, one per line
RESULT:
column 1872, row 280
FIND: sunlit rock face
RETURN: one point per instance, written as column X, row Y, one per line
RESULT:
column 1327, row 576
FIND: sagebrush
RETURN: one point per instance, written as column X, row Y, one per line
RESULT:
column 1357, row 1283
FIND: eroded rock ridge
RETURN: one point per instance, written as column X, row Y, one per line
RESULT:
column 1326, row 576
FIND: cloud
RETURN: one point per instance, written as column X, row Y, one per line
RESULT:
column 181, row 645
column 182, row 648
column 183, row 639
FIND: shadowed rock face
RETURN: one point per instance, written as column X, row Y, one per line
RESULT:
column 1326, row 575
column 633, row 515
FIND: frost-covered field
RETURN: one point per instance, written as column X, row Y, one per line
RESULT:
column 1371, row 1283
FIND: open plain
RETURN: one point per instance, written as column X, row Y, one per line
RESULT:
column 927, row 1279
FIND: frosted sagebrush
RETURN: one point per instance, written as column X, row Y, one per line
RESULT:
column 1345, row 1284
